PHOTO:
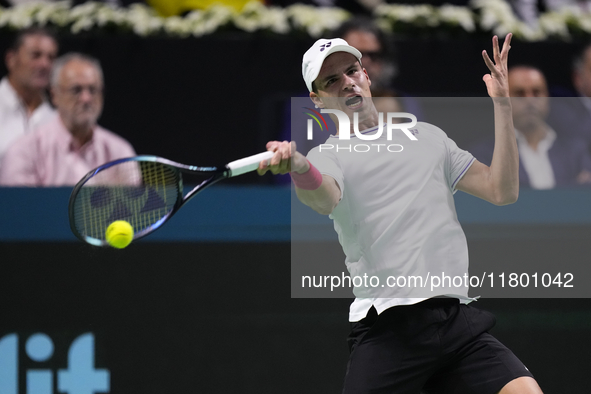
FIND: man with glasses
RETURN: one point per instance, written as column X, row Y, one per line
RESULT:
column 378, row 57
column 63, row 150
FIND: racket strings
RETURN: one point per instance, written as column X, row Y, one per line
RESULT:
column 141, row 193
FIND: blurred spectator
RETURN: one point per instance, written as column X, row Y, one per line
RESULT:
column 571, row 116
column 64, row 149
column 23, row 101
column 546, row 160
column 378, row 58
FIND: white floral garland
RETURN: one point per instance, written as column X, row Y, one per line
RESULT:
column 392, row 16
column 144, row 21
column 484, row 16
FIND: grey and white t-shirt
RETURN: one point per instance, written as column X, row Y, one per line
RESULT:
column 396, row 216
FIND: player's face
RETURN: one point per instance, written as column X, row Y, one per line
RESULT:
column 78, row 95
column 30, row 65
column 530, row 100
column 343, row 84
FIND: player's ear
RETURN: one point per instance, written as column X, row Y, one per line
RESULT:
column 367, row 76
column 316, row 100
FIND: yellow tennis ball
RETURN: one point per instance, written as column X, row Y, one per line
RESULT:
column 119, row 234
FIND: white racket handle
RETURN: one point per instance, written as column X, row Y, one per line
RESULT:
column 248, row 164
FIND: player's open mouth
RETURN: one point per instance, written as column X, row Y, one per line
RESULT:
column 354, row 102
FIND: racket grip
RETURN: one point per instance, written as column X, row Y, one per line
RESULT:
column 248, row 164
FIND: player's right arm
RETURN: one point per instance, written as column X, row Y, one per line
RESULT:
column 287, row 159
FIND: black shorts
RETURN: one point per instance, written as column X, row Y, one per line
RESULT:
column 438, row 346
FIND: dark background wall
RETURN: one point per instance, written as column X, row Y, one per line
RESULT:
column 218, row 318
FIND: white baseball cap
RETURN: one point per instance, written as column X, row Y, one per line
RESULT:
column 314, row 57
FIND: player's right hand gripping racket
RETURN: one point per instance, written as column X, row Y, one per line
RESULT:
column 145, row 191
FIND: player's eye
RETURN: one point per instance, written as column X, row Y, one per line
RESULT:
column 354, row 69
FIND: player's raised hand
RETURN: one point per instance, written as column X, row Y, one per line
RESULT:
column 497, row 81
column 286, row 159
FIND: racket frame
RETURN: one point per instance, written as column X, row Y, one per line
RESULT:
column 218, row 174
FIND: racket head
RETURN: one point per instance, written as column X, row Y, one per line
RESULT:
column 145, row 191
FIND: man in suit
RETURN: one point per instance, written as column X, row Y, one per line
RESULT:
column 548, row 159
column 571, row 116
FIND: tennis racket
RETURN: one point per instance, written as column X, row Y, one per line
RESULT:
column 145, row 191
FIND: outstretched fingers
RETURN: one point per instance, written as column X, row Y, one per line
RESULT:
column 496, row 54
column 500, row 57
column 489, row 63
column 497, row 81
column 506, row 47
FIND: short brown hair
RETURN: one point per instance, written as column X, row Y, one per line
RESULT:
column 20, row 37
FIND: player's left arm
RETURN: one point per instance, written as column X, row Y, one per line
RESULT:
column 499, row 183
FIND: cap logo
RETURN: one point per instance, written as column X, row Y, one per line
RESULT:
column 324, row 46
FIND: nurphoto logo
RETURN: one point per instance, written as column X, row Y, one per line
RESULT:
column 388, row 121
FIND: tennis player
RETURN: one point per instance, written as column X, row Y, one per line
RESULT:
column 395, row 215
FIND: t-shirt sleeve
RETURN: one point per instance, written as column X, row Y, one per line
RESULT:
column 327, row 164
column 459, row 161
